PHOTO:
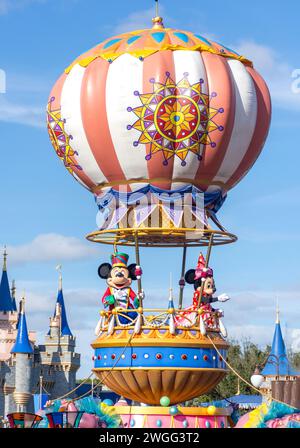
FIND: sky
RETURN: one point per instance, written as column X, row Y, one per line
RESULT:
column 45, row 214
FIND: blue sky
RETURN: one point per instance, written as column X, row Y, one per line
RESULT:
column 45, row 214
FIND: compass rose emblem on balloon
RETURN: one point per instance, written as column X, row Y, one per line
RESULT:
column 175, row 119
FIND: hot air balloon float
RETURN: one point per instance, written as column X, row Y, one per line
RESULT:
column 159, row 124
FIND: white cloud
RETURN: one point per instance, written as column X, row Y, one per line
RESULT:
column 50, row 246
column 82, row 308
column 135, row 21
column 22, row 114
column 7, row 6
column 276, row 71
column 140, row 20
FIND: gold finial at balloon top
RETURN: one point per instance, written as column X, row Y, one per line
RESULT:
column 58, row 268
column 157, row 20
column 4, row 258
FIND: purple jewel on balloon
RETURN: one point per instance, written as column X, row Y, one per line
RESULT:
column 148, row 157
column 221, row 110
column 186, row 74
column 201, row 81
column 165, row 162
column 199, row 157
column 136, row 93
column 183, row 163
column 168, row 74
column 152, row 80
column 213, row 145
column 221, row 128
column 135, row 144
column 214, row 94
column 52, row 99
column 129, row 109
column 129, row 127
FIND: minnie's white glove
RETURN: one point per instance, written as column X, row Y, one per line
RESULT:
column 223, row 298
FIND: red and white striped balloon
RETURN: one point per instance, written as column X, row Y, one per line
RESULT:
column 100, row 120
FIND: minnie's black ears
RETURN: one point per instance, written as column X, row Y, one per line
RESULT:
column 131, row 269
column 190, row 276
column 104, row 270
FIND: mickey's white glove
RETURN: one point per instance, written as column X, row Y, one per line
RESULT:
column 223, row 298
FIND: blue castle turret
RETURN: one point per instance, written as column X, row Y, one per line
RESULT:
column 277, row 364
column 7, row 303
column 22, row 344
column 22, row 352
column 65, row 329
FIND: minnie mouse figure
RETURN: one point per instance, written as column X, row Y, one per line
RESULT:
column 119, row 278
column 204, row 275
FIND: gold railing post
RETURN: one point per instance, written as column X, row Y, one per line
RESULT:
column 137, row 257
column 181, row 283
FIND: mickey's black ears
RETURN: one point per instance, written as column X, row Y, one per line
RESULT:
column 131, row 269
column 104, row 270
column 190, row 276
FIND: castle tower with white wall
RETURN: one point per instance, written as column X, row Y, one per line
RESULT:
column 22, row 354
column 24, row 365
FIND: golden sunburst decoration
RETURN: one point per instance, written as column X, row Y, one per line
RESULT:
column 175, row 119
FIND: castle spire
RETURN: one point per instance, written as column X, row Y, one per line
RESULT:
column 277, row 362
column 13, row 294
column 6, row 301
column 4, row 259
column 22, row 344
column 277, row 313
column 65, row 329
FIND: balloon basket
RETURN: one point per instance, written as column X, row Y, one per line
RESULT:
column 154, row 361
column 173, row 417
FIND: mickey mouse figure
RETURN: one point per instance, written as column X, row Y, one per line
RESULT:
column 205, row 275
column 119, row 278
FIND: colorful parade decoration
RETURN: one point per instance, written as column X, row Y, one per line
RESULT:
column 87, row 412
column 274, row 415
column 178, row 418
column 22, row 420
column 161, row 124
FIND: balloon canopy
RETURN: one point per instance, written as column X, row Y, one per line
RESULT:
column 160, row 108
